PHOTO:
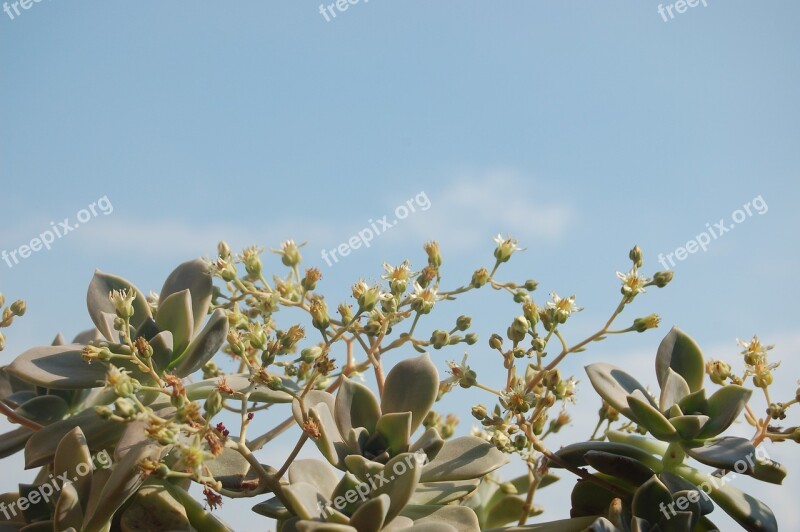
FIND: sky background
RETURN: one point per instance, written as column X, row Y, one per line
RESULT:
column 580, row 128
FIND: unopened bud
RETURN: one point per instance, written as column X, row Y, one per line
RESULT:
column 480, row 277
column 662, row 279
column 636, row 256
column 18, row 307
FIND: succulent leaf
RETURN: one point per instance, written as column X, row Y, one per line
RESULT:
column 193, row 276
column 679, row 352
column 724, row 406
column 463, row 458
column 411, row 386
column 101, row 309
column 614, row 385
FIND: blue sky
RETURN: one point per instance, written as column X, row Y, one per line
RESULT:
column 580, row 128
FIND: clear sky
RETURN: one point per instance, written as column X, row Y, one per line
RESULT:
column 580, row 128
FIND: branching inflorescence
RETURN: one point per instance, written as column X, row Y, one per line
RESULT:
column 172, row 384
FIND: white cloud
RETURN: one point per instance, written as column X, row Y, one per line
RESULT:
column 473, row 207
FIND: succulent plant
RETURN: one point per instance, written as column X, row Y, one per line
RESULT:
column 368, row 441
column 649, row 481
column 120, row 424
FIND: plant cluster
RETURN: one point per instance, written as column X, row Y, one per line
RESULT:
column 171, row 386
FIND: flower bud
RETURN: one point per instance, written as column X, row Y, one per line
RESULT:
column 777, row 411
column 310, row 354
column 519, row 328
column 252, row 261
column 223, row 250
column 662, row 279
column 439, row 339
column 2, row 300
column 531, row 312
column 531, row 285
column 124, row 409
column 521, row 295
column 718, row 371
column 479, row 412
column 434, row 256
column 505, row 248
column 213, row 404
column 636, row 256
column 471, row 338
column 2, row 341
column 18, row 307
column 290, row 253
column 463, row 323
column 480, row 277
column 496, row 342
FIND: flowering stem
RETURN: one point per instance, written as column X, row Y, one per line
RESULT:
column 16, row 418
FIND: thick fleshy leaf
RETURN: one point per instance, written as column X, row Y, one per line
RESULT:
column 319, row 407
column 463, row 458
column 677, row 484
column 430, row 443
column 175, row 315
column 41, row 446
column 648, row 498
column 614, row 385
column 153, row 508
column 74, row 459
column 724, row 406
column 231, row 468
column 623, row 467
column 239, row 382
column 443, row 492
column 305, row 499
column 588, row 498
column 44, row 409
column 85, row 337
column 370, row 516
column 768, row 470
column 38, row 509
column 574, row 454
column 58, row 367
column 673, row 390
column 689, row 426
column 68, row 511
column 459, row 518
column 694, row 403
column 679, row 352
column 355, row 407
column 749, row 512
column 507, row 510
column 162, row 344
column 200, row 519
column 393, row 430
column 125, row 479
column 348, row 494
column 314, row 472
column 273, row 508
column 402, row 475
column 101, row 309
column 204, row 346
column 577, row 524
column 14, row 440
column 650, row 418
column 361, row 467
column 192, row 275
column 411, row 386
column 729, row 453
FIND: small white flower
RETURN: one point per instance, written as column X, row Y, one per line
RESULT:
column 632, row 282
